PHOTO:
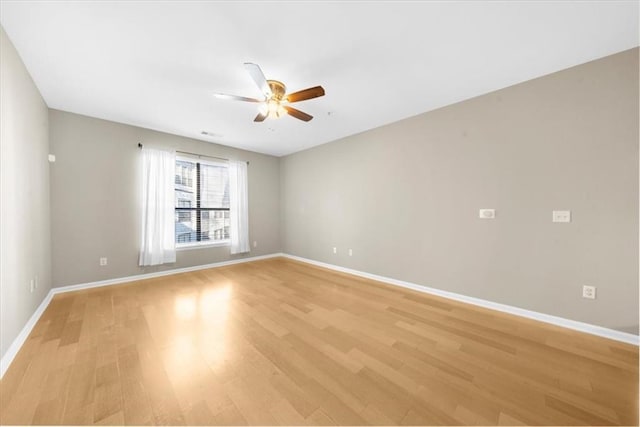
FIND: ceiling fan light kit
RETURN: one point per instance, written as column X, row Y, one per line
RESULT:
column 275, row 102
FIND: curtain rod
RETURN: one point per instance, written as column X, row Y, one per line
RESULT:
column 195, row 154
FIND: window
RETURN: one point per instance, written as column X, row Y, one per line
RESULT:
column 202, row 202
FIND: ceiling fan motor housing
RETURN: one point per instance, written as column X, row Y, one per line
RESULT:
column 278, row 89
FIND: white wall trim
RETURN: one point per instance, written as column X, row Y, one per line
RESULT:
column 529, row 314
column 137, row 277
column 18, row 342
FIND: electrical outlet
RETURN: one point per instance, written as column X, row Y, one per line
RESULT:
column 335, row 250
column 255, row 244
column 561, row 216
column 103, row 261
column 350, row 252
column 487, row 213
column 589, row 292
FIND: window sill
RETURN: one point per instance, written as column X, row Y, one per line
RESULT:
column 202, row 245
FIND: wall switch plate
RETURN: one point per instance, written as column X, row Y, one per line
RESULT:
column 52, row 158
column 561, row 216
column 589, row 292
column 350, row 252
column 35, row 282
column 487, row 213
column 335, row 250
column 31, row 286
column 255, row 244
column 103, row 261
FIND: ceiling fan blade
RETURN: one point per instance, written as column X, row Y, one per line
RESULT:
column 235, row 97
column 260, row 117
column 302, row 95
column 298, row 114
column 258, row 76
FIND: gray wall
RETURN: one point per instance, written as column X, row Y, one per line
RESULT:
column 405, row 197
column 25, row 237
column 96, row 201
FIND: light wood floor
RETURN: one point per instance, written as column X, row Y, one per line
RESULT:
column 280, row 342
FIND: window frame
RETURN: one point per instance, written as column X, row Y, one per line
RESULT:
column 199, row 244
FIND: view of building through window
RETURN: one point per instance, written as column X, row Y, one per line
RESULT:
column 202, row 202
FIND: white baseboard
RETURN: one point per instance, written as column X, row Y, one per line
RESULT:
column 17, row 343
column 137, row 277
column 546, row 318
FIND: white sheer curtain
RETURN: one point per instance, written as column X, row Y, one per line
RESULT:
column 158, row 242
column 238, row 207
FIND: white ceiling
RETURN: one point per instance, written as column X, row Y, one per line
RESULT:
column 156, row 64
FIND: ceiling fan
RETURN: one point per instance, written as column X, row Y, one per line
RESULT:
column 275, row 102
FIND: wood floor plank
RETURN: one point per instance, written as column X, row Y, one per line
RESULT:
column 108, row 393
column 279, row 342
column 199, row 414
column 230, row 416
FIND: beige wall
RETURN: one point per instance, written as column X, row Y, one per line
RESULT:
column 96, row 204
column 405, row 197
column 25, row 239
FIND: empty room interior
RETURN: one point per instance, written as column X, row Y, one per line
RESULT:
column 319, row 213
